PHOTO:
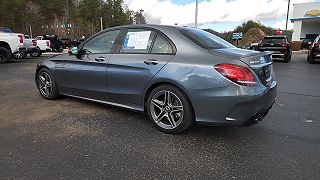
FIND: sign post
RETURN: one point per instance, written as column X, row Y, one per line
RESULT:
column 237, row 36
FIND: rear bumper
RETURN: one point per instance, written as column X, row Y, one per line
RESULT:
column 250, row 112
column 20, row 49
column 237, row 109
column 33, row 49
column 277, row 53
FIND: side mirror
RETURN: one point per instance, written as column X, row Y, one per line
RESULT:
column 73, row 51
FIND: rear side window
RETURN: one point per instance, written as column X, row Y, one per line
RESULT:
column 137, row 41
column 206, row 39
column 274, row 40
column 161, row 46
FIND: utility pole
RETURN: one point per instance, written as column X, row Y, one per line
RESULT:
column 101, row 24
column 196, row 15
column 66, row 25
column 287, row 16
column 30, row 29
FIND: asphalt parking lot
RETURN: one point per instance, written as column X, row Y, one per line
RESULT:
column 76, row 139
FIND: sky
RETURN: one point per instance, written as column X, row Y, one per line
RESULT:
column 219, row 15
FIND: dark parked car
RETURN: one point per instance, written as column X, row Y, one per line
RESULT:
column 305, row 43
column 279, row 46
column 179, row 76
column 65, row 42
column 55, row 43
column 5, row 30
column 314, row 51
column 76, row 42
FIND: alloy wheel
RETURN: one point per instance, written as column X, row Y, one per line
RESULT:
column 34, row 54
column 166, row 109
column 45, row 84
column 19, row 55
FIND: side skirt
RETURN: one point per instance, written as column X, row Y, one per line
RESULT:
column 106, row 102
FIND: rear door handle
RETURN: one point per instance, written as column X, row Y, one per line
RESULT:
column 151, row 61
column 100, row 59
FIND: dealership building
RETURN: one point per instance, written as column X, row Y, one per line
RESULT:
column 306, row 19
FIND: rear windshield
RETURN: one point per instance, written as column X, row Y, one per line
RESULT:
column 206, row 39
column 274, row 40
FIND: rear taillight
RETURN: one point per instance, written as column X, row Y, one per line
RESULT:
column 48, row 43
column 21, row 39
column 34, row 42
column 238, row 74
column 285, row 44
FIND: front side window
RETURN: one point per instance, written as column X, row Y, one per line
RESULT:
column 161, row 46
column 137, row 41
column 102, row 44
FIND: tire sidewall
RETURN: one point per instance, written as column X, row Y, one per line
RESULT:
column 310, row 60
column 188, row 116
column 287, row 58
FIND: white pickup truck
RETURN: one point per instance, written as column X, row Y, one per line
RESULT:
column 44, row 45
column 35, row 47
column 10, row 44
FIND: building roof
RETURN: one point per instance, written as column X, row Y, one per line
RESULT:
column 306, row 18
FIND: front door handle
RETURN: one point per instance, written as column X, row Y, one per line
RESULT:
column 100, row 59
column 151, row 61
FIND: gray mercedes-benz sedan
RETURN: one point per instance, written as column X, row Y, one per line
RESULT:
column 179, row 76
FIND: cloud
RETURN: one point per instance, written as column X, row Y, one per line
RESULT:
column 282, row 25
column 211, row 11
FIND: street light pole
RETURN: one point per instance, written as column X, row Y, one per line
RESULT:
column 287, row 16
column 196, row 15
column 101, row 23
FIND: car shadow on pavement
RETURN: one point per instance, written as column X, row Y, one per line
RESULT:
column 140, row 118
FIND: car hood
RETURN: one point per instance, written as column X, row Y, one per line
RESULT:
column 61, row 57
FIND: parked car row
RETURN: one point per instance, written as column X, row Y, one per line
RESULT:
column 18, row 45
column 33, row 47
column 281, row 47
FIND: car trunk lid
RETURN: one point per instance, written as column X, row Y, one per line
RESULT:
column 259, row 62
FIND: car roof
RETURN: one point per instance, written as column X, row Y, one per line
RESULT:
column 155, row 26
column 275, row 36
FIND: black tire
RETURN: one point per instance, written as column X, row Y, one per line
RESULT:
column 5, row 55
column 60, row 49
column 37, row 53
column 287, row 58
column 20, row 55
column 186, row 117
column 52, row 93
column 311, row 60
